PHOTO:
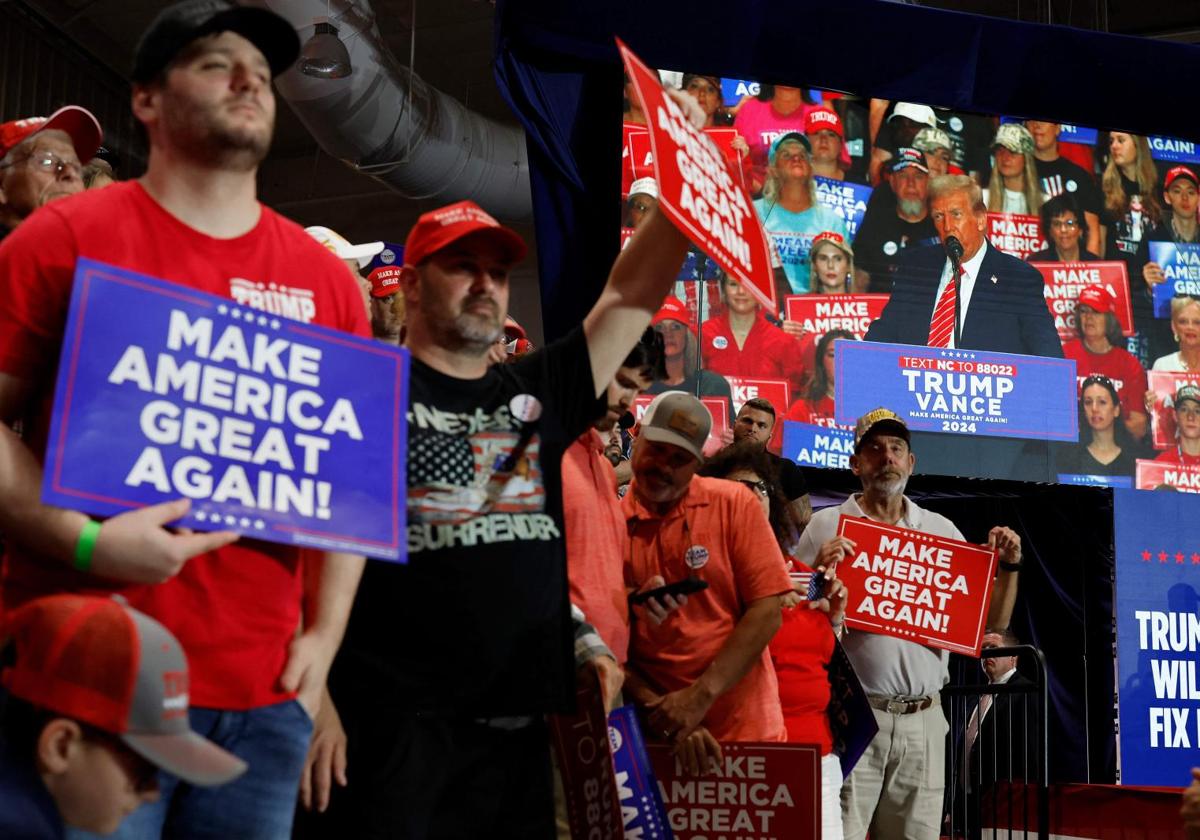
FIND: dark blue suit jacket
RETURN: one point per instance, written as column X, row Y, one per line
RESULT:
column 1008, row 312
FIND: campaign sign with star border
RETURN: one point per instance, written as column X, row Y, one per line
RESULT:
column 280, row 430
column 967, row 392
column 918, row 587
column 1157, row 606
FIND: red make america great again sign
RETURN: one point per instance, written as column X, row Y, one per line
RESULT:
column 698, row 191
column 918, row 587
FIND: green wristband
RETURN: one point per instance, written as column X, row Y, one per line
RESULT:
column 86, row 545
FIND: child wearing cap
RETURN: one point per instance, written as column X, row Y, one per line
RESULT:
column 96, row 703
column 1187, row 428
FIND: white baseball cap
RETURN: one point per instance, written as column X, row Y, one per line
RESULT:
column 342, row 248
column 922, row 114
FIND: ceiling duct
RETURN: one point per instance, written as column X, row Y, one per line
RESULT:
column 384, row 121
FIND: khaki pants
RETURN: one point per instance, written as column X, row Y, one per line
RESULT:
column 895, row 790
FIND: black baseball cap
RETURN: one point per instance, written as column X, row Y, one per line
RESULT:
column 182, row 23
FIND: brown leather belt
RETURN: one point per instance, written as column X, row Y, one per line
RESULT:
column 901, row 705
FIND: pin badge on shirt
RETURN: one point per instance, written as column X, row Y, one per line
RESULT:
column 525, row 407
column 696, row 557
column 994, row 279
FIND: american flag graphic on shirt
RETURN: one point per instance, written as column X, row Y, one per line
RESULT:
column 451, row 478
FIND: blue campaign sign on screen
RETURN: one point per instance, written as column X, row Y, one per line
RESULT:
column 280, row 430
column 1180, row 262
column 967, row 392
column 1095, row 480
column 1157, row 538
column 817, row 446
column 846, row 199
column 1174, row 150
column 732, row 90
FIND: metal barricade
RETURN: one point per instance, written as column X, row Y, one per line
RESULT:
column 1009, row 744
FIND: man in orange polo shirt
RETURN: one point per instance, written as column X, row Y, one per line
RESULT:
column 704, row 672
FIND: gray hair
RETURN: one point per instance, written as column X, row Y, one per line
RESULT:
column 944, row 185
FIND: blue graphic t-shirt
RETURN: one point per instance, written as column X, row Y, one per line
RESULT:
column 792, row 235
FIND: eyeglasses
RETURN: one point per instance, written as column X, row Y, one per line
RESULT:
column 1064, row 224
column 50, row 162
column 758, row 487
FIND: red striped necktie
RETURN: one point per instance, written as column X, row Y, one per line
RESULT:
column 941, row 327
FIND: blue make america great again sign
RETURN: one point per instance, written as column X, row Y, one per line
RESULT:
column 280, row 430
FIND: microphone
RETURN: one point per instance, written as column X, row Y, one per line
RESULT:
column 626, row 421
column 954, row 249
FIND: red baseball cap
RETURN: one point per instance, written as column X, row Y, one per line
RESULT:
column 105, row 664
column 385, row 281
column 672, row 310
column 1177, row 172
column 1097, row 297
column 822, row 119
column 440, row 228
column 78, row 123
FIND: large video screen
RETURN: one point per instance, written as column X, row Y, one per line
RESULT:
column 1026, row 293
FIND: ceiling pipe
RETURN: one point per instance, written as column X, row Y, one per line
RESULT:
column 384, row 121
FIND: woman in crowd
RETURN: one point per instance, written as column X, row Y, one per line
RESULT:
column 803, row 647
column 1104, row 447
column 789, row 210
column 741, row 342
column 776, row 110
column 1185, row 324
column 823, row 128
column 1131, row 209
column 1098, row 350
column 706, row 90
column 1014, row 186
column 1065, row 229
column 1187, row 429
column 683, row 356
column 832, row 265
column 816, row 406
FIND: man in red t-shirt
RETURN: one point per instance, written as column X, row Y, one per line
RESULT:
column 704, row 674
column 202, row 90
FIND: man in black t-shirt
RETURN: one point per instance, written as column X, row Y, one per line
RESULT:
column 1059, row 175
column 756, row 421
column 889, row 229
column 451, row 659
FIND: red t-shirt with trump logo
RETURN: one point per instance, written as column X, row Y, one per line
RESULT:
column 236, row 609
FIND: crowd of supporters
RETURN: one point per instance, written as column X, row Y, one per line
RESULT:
column 247, row 689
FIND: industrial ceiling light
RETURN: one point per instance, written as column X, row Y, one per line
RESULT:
column 324, row 56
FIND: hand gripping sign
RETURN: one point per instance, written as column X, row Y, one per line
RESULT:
column 581, row 745
column 283, row 431
column 697, row 189
column 931, row 590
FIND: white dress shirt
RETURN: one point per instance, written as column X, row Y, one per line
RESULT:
column 966, row 286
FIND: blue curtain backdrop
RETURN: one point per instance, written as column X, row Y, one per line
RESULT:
column 557, row 66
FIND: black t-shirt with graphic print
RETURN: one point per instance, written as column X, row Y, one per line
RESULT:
column 477, row 622
column 881, row 241
column 1060, row 176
